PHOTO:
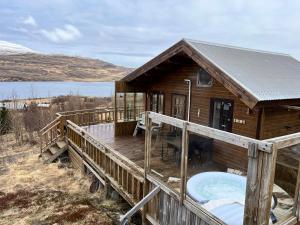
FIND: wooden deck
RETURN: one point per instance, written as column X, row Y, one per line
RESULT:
column 118, row 162
column 134, row 147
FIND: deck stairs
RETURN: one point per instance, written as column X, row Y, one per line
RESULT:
column 51, row 153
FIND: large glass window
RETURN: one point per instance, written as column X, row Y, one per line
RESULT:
column 129, row 106
column 157, row 102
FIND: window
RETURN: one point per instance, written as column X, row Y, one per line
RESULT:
column 204, row 79
column 221, row 113
column 157, row 102
column 178, row 106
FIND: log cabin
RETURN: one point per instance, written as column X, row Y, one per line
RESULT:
column 248, row 92
column 241, row 106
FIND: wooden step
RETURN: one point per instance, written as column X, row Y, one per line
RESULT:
column 53, row 149
column 46, row 155
column 56, row 155
column 61, row 144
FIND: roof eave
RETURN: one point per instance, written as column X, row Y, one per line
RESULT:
column 221, row 76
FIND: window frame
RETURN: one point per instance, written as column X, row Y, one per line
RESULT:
column 198, row 81
column 158, row 94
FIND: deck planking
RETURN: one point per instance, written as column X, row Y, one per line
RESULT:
column 133, row 148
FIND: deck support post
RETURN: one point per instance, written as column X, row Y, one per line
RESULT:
column 296, row 207
column 115, row 108
column 148, row 139
column 147, row 169
column 260, row 181
column 134, row 106
column 184, row 161
column 125, row 107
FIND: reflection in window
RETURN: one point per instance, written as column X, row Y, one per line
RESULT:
column 204, row 79
column 157, row 103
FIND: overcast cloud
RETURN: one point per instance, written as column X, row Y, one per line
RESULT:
column 129, row 32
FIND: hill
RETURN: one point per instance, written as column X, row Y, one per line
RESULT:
column 19, row 63
column 39, row 67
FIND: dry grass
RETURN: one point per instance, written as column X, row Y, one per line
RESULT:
column 37, row 194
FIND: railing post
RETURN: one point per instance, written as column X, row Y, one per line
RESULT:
column 147, row 158
column 41, row 142
column 125, row 107
column 296, row 207
column 115, row 108
column 260, row 181
column 148, row 134
column 184, row 159
column 134, row 106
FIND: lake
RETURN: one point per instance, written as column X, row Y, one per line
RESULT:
column 24, row 90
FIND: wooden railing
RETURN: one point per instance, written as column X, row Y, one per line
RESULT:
column 54, row 130
column 122, row 174
column 170, row 206
column 260, row 178
column 88, row 117
column 50, row 133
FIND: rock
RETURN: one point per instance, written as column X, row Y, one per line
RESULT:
column 115, row 195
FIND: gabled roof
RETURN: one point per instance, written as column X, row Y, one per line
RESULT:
column 251, row 75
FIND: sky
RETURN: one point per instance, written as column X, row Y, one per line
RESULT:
column 131, row 32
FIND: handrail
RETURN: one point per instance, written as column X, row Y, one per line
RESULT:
column 125, row 219
column 50, row 125
column 65, row 113
column 227, row 137
column 50, row 133
column 116, row 154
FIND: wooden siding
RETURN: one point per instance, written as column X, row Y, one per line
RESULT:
column 172, row 82
column 280, row 121
column 75, row 159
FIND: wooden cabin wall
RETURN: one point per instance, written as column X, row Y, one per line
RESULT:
column 280, row 121
column 173, row 83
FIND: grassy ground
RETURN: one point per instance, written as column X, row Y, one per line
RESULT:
column 37, row 194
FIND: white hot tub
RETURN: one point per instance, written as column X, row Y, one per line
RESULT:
column 223, row 194
column 208, row 186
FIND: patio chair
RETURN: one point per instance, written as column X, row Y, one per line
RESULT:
column 141, row 125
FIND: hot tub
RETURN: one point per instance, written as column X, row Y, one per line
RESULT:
column 207, row 186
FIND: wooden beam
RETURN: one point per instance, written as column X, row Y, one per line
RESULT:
column 115, row 108
column 94, row 172
column 296, row 207
column 184, row 159
column 260, row 181
column 124, row 219
column 134, row 106
column 252, row 190
column 125, row 107
column 291, row 107
column 285, row 141
column 221, row 76
column 148, row 140
column 220, row 135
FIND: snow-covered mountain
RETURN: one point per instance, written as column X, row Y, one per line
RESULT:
column 19, row 63
column 8, row 48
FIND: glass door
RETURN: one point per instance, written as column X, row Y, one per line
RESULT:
column 157, row 102
column 178, row 106
column 221, row 114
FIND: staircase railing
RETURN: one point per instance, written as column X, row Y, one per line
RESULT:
column 50, row 133
column 88, row 117
column 57, row 128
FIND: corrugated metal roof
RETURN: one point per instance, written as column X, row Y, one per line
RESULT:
column 265, row 75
